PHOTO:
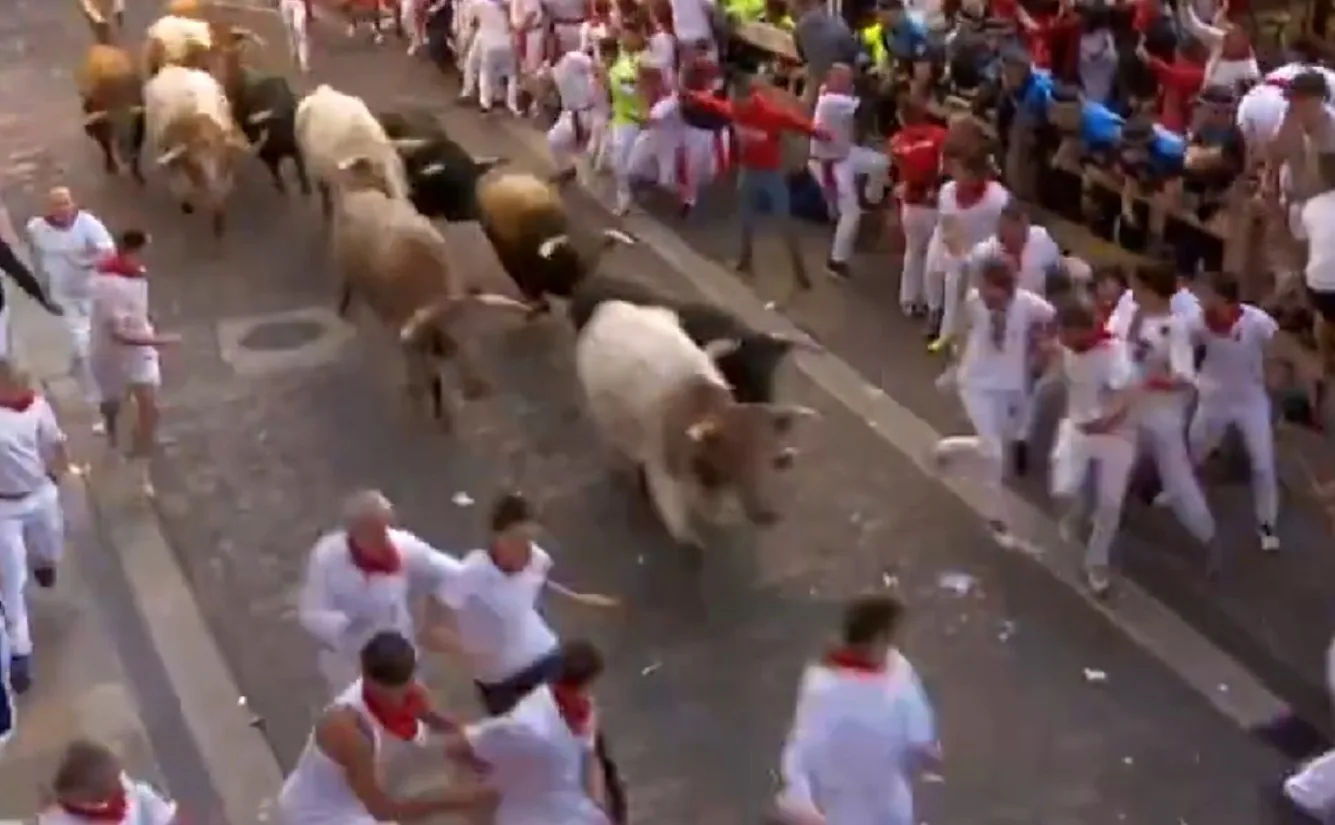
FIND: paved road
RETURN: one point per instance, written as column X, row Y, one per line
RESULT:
column 703, row 662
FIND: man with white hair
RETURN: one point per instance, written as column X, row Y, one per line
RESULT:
column 360, row 581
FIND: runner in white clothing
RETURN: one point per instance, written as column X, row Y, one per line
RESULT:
column 490, row 61
column 91, row 788
column 337, row 779
column 296, row 20
column 575, row 77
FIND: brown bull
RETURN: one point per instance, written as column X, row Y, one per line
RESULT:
column 200, row 155
column 112, row 96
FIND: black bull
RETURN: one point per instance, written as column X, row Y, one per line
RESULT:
column 442, row 176
column 266, row 110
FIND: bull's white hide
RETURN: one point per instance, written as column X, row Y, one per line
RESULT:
column 630, row 360
column 334, row 129
column 178, row 34
column 177, row 92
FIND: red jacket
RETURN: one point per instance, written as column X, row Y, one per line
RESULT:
column 758, row 122
column 1179, row 82
column 916, row 152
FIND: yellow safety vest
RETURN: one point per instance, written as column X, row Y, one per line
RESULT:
column 623, row 77
column 747, row 11
column 871, row 38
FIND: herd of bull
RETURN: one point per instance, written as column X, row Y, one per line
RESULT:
column 684, row 390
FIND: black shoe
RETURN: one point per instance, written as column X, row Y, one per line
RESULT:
column 45, row 576
column 20, row 674
column 933, row 326
column 838, row 270
column 1020, row 458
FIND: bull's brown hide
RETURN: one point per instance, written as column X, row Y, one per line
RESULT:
column 107, row 78
column 517, row 205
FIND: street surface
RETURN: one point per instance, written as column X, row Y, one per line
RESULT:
column 1049, row 713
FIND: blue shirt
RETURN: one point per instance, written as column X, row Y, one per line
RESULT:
column 908, row 39
column 1168, row 151
column 1032, row 99
column 1100, row 127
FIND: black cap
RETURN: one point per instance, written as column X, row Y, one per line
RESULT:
column 1308, row 85
column 1218, row 96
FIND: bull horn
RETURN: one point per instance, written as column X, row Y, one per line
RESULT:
column 432, row 169
column 492, row 299
column 617, row 236
column 247, row 34
column 794, row 410
column 95, row 117
column 170, row 155
column 702, row 429
column 258, row 144
column 94, row 16
column 410, row 145
column 721, row 347
column 260, row 117
column 419, row 319
column 549, row 246
column 347, row 163
column 485, row 163
column 796, row 341
column 136, row 110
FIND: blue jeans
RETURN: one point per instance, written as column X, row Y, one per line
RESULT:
column 762, row 192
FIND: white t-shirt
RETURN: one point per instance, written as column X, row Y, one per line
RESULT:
column 1040, row 254
column 975, row 222
column 1184, row 304
column 120, row 304
column 691, row 19
column 1235, row 362
column 27, row 438
column 526, row 15
column 573, row 75
column 146, row 807
column 1092, row 377
column 66, row 256
column 499, row 625
column 493, row 22
column 1316, row 225
column 1159, row 346
column 662, row 52
column 537, row 763
column 834, row 113
column 986, row 366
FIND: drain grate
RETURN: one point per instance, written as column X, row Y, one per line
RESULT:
column 281, row 336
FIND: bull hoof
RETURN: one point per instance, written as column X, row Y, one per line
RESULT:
column 138, row 175
column 538, row 309
column 476, row 388
column 219, row 226
column 187, row 209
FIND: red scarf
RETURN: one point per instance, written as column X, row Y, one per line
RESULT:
column 113, row 809
column 118, row 264
column 968, row 194
column 575, row 706
column 1222, row 323
column 19, row 403
column 853, row 661
column 402, row 720
column 1100, row 335
column 61, row 223
column 386, row 564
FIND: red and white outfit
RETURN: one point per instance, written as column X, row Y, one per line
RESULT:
column 490, row 61
column 31, row 519
column 970, row 213
column 580, row 125
column 915, row 152
column 1031, row 262
column 1232, row 392
column 567, row 18
column 296, row 22
column 138, row 803
column 656, row 152
column 531, row 35
column 835, row 164
column 348, row 597
column 120, row 307
column 316, row 792
column 538, row 754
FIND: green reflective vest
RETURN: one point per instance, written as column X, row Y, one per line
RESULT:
column 871, row 38
column 623, row 77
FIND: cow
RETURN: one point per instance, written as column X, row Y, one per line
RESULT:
column 112, row 96
column 661, row 402
column 389, row 256
column 746, row 358
column 265, row 108
column 335, row 130
column 190, row 125
column 526, row 222
column 442, row 176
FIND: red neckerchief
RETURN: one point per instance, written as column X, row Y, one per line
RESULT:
column 402, row 720
column 375, row 565
column 1222, row 323
column 61, row 223
column 118, row 264
column 1100, row 335
column 575, row 706
column 19, row 403
column 968, row 194
column 853, row 661
column 491, row 552
column 113, row 809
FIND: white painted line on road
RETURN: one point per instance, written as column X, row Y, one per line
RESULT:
column 1218, row 677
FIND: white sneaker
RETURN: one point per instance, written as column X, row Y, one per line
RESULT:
column 1269, row 541
column 99, row 428
column 1161, row 499
column 1002, row 535
column 1098, row 581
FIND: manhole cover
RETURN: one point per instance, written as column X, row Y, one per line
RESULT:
column 280, row 336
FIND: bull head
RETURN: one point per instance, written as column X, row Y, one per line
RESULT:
column 485, row 164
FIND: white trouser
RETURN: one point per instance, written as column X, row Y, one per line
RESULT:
column 1160, row 427
column 653, row 155
column 567, row 37
column 531, row 50
column 707, row 156
column 294, row 25
column 1107, row 461
column 122, row 368
column 571, row 135
column 917, row 221
column 995, row 415
column 33, row 525
column 410, row 19
column 491, row 66
column 78, row 322
column 1250, row 413
column 1312, row 787
column 621, row 140
column 837, row 179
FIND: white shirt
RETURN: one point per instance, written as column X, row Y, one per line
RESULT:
column 537, row 763
column 662, row 52
column 120, row 305
column 854, row 739
column 146, row 807
column 1234, row 363
column 834, row 113
column 1040, row 253
column 574, row 77
column 665, row 116
column 1184, row 304
column 692, row 19
column 1159, row 346
column 27, row 439
column 974, row 222
column 499, row 625
column 492, row 18
column 983, row 364
column 1316, row 225
column 343, row 607
column 566, row 12
column 66, row 256
column 1092, row 377
column 526, row 15
column 1261, row 110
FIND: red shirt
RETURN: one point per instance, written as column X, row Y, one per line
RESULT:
column 916, row 152
column 758, row 123
column 1179, row 82
column 1054, row 35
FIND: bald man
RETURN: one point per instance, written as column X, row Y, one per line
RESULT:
column 360, row 580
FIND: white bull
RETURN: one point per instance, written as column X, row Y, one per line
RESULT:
column 336, row 131
column 660, row 400
column 179, row 41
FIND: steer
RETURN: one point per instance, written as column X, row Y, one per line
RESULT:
column 393, row 259
column 336, row 131
column 191, row 127
column 112, row 96
column 266, row 110
column 661, row 402
column 747, row 359
column 442, row 176
column 526, row 222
